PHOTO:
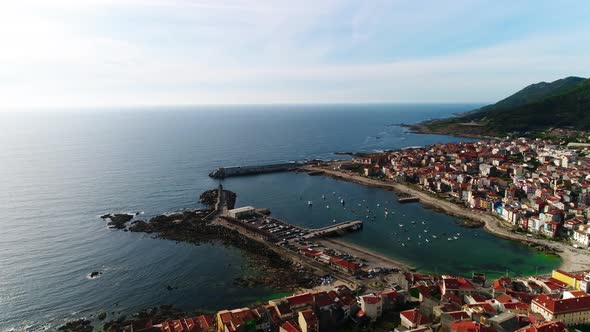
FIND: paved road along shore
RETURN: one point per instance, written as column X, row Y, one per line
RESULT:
column 573, row 259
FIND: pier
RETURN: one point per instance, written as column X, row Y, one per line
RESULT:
column 225, row 172
column 340, row 227
column 410, row 199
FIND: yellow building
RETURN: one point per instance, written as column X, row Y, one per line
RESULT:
column 567, row 278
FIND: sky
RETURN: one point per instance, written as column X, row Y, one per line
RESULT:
column 103, row 53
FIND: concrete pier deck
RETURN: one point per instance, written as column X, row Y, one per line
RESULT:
column 343, row 226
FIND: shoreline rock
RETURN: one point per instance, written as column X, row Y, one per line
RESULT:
column 118, row 220
column 190, row 226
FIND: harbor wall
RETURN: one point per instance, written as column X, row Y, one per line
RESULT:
column 224, row 172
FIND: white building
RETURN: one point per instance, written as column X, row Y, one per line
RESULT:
column 372, row 305
column 241, row 212
column 582, row 235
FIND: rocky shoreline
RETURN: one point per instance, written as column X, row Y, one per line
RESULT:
column 270, row 270
column 157, row 314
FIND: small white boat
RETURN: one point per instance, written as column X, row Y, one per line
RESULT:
column 334, row 221
column 310, row 203
column 401, row 225
column 323, row 196
column 449, row 239
column 434, row 236
column 456, row 238
column 378, row 205
column 427, row 240
column 425, row 231
column 342, row 201
column 423, row 223
column 327, row 206
column 403, row 244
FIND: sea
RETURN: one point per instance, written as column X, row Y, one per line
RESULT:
column 61, row 169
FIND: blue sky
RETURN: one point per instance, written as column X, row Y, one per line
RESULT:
column 175, row 52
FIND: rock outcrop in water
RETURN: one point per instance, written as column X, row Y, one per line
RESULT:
column 192, row 226
column 118, row 220
column 80, row 325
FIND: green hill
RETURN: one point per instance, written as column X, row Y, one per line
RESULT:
column 563, row 103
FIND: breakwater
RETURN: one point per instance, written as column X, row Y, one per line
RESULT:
column 225, row 172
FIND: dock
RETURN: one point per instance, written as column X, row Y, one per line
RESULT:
column 225, row 172
column 410, row 199
column 340, row 227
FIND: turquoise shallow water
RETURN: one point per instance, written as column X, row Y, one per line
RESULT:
column 474, row 250
column 60, row 170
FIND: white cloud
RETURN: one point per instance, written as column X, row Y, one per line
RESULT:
column 255, row 55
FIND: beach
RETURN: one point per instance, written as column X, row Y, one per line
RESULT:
column 573, row 259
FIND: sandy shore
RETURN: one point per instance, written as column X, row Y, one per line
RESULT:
column 374, row 259
column 573, row 259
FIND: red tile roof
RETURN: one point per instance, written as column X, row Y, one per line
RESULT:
column 469, row 326
column 322, row 299
column 415, row 316
column 457, row 283
column 551, row 326
column 370, row 299
column 290, row 327
column 516, row 306
column 504, row 298
column 575, row 304
column 205, row 321
column 300, row 299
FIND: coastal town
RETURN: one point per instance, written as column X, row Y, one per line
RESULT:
column 417, row 302
column 538, row 186
column 529, row 189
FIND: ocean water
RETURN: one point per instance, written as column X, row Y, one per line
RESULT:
column 60, row 170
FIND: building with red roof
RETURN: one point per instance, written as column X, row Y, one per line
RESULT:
column 469, row 326
column 372, row 305
column 289, row 326
column 308, row 321
column 574, row 310
column 300, row 301
column 411, row 319
column 457, row 286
